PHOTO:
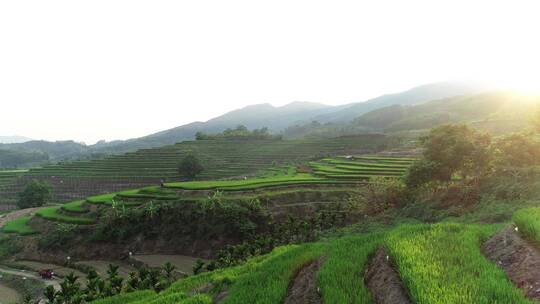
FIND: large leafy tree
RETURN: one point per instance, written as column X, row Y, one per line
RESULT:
column 516, row 150
column 35, row 194
column 190, row 166
column 450, row 150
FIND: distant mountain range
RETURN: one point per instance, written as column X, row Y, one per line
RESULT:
column 277, row 119
column 13, row 139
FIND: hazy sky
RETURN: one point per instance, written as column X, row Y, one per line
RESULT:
column 90, row 70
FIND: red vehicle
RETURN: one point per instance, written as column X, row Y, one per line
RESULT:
column 46, row 274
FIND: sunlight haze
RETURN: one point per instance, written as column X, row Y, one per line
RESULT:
column 91, row 70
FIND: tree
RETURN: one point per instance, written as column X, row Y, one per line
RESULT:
column 516, row 150
column 449, row 150
column 420, row 172
column 35, row 194
column 190, row 166
column 201, row 136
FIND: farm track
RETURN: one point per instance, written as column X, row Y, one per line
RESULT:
column 303, row 288
column 29, row 274
column 383, row 281
column 518, row 258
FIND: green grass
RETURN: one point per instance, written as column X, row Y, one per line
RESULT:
column 54, row 214
column 528, row 222
column 240, row 184
column 101, row 199
column 75, row 207
column 438, row 263
column 19, row 226
column 442, row 263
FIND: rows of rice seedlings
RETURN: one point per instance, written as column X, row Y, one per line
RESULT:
column 8, row 180
column 360, row 168
column 251, row 183
column 439, row 263
column 55, row 214
column 19, row 226
column 266, row 279
column 75, row 207
column 528, row 222
column 223, row 158
column 442, row 263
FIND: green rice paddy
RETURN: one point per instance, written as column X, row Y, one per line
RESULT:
column 528, row 222
column 19, row 226
column 438, row 263
column 55, row 214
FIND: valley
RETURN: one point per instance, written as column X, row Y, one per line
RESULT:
column 444, row 214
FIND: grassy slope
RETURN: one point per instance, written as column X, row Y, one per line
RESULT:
column 19, row 225
column 326, row 173
column 528, row 222
column 54, row 214
column 439, row 263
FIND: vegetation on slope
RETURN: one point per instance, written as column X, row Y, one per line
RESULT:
column 19, row 226
column 528, row 222
column 433, row 261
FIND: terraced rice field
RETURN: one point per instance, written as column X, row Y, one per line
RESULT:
column 19, row 226
column 437, row 263
column 9, row 295
column 325, row 171
column 337, row 171
column 221, row 159
column 56, row 214
column 8, row 179
column 361, row 167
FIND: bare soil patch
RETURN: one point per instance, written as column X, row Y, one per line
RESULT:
column 303, row 289
column 519, row 258
column 383, row 281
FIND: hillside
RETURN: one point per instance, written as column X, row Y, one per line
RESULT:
column 277, row 119
column 359, row 227
column 506, row 109
column 222, row 159
column 495, row 112
column 413, row 96
column 392, row 256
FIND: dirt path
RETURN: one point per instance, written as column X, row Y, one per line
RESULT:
column 4, row 218
column 383, row 281
column 28, row 274
column 59, row 270
column 518, row 258
column 304, row 287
